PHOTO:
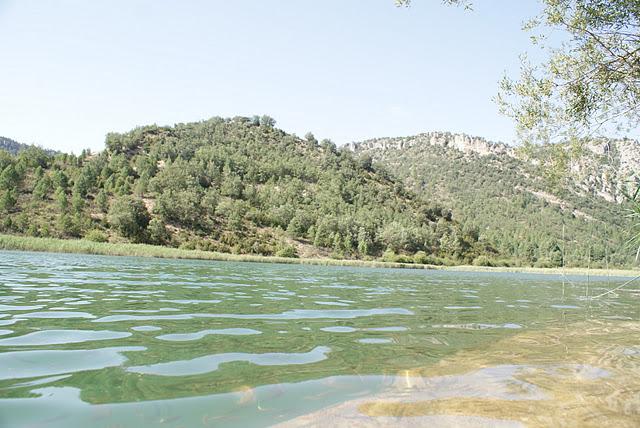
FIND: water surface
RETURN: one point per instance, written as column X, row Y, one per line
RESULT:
column 118, row 341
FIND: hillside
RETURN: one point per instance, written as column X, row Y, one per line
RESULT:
column 233, row 185
column 523, row 200
column 14, row 147
column 10, row 145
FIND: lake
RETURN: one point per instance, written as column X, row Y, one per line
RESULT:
column 134, row 342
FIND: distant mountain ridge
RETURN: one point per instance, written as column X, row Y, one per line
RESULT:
column 13, row 147
column 462, row 142
column 603, row 167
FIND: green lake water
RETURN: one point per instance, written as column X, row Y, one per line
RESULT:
column 92, row 341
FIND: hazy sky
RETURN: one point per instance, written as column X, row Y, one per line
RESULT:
column 73, row 70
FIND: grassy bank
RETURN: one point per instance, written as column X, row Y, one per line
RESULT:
column 81, row 246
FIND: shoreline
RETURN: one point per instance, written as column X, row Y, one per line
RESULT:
column 81, row 246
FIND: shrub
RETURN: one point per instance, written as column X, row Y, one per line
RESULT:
column 390, row 257
column 157, row 232
column 483, row 261
column 421, row 258
column 129, row 217
column 401, row 258
column 96, row 235
column 285, row 250
column 544, row 263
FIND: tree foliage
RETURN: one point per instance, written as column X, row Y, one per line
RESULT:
column 129, row 217
column 589, row 83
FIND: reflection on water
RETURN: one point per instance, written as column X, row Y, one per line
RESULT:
column 575, row 375
column 211, row 363
column 102, row 341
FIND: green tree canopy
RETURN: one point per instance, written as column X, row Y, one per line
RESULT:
column 129, row 217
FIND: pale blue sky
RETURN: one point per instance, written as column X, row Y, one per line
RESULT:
column 73, row 70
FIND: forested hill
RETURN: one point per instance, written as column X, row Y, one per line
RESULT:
column 236, row 185
column 523, row 200
column 10, row 145
column 14, row 147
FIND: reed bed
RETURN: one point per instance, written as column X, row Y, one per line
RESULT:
column 82, row 246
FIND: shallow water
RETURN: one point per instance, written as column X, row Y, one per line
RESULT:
column 106, row 341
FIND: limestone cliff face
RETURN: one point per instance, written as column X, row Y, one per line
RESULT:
column 606, row 168
column 462, row 142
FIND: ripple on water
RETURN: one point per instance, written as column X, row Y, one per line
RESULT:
column 295, row 314
column 22, row 364
column 56, row 314
column 477, row 326
column 190, row 301
column 631, row 351
column 391, row 329
column 4, row 308
column 339, row 329
column 57, row 337
column 462, row 307
column 325, row 303
column 183, row 337
column 144, row 311
column 211, row 363
column 146, row 328
column 374, row 341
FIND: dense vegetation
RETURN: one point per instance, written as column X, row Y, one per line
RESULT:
column 243, row 186
column 229, row 185
column 531, row 212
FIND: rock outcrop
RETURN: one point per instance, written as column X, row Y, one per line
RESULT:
column 606, row 168
column 462, row 142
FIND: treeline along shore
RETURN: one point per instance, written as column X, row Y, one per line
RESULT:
column 82, row 246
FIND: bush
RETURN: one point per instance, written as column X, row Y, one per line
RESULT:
column 544, row 263
column 157, row 232
column 401, row 258
column 96, row 235
column 483, row 261
column 285, row 250
column 421, row 258
column 188, row 245
column 130, row 217
column 67, row 226
column 391, row 257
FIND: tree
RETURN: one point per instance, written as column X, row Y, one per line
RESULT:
column 588, row 84
column 7, row 200
column 42, row 187
column 61, row 199
column 102, row 201
column 182, row 207
column 157, row 232
column 363, row 241
column 267, row 121
column 129, row 217
column 77, row 201
column 9, row 177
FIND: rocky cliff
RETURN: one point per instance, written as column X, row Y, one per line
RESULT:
column 462, row 142
column 605, row 168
